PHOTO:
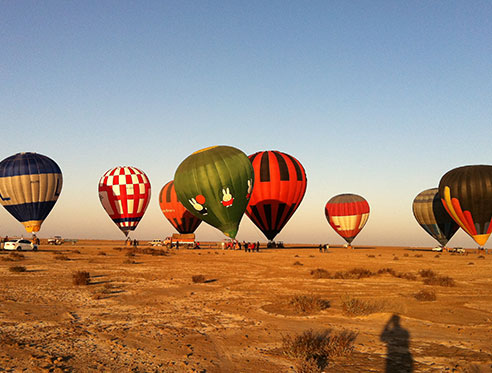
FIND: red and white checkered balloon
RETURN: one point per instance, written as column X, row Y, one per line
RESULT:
column 125, row 194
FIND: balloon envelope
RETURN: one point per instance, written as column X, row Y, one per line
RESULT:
column 280, row 184
column 432, row 216
column 466, row 193
column 30, row 185
column 174, row 211
column 214, row 184
column 347, row 214
column 125, row 194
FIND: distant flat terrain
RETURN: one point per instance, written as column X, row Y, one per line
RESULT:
column 143, row 312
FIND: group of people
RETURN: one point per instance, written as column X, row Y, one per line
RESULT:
column 246, row 246
column 130, row 242
column 323, row 248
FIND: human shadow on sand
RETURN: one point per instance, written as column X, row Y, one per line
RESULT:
column 397, row 339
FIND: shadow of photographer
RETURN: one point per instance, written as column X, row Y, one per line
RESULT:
column 397, row 339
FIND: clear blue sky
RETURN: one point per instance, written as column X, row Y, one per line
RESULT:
column 378, row 98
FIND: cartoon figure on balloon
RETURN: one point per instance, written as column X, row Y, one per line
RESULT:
column 198, row 203
column 227, row 198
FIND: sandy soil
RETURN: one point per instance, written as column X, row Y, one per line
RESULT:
column 145, row 313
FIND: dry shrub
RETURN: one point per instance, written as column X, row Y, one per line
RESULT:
column 320, row 273
column 418, row 255
column 129, row 261
column 76, row 252
column 101, row 253
column 395, row 258
column 130, row 254
column 17, row 269
column 81, row 278
column 437, row 256
column 440, row 281
column 198, row 279
column 407, row 276
column 427, row 273
column 14, row 257
column 405, row 255
column 371, row 256
column 312, row 350
column 117, row 248
column 358, row 307
column 389, row 271
column 61, row 257
column 355, row 273
column 471, row 263
column 308, row 303
column 297, row 263
column 425, row 295
column 311, row 256
column 480, row 257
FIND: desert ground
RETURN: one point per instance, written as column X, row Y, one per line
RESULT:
column 144, row 311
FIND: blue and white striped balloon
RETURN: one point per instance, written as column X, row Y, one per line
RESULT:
column 30, row 184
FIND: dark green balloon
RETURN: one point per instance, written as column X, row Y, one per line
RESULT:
column 215, row 185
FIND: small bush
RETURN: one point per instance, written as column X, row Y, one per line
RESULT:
column 14, row 257
column 308, row 303
column 17, row 269
column 427, row 273
column 129, row 261
column 198, row 279
column 425, row 295
column 76, row 251
column 61, row 257
column 81, row 278
column 312, row 350
column 437, row 256
column 389, row 271
column 311, row 256
column 371, row 256
column 471, row 263
column 357, row 307
column 440, row 281
column 418, row 255
column 101, row 253
column 405, row 255
column 395, row 258
column 297, row 263
column 480, row 257
column 320, row 273
column 130, row 254
column 407, row 276
column 355, row 273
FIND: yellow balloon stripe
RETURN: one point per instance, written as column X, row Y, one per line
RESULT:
column 452, row 211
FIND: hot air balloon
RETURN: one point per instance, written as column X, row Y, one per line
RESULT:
column 215, row 185
column 347, row 214
column 125, row 193
column 280, row 184
column 466, row 193
column 174, row 211
column 432, row 216
column 30, row 185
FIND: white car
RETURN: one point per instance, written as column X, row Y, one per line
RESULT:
column 20, row 245
column 437, row 248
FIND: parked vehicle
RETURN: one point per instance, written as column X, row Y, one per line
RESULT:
column 458, row 250
column 156, row 243
column 55, row 240
column 20, row 245
column 437, row 248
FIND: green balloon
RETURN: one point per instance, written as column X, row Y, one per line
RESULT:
column 215, row 185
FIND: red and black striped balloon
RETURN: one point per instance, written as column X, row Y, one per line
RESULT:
column 280, row 184
column 180, row 218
